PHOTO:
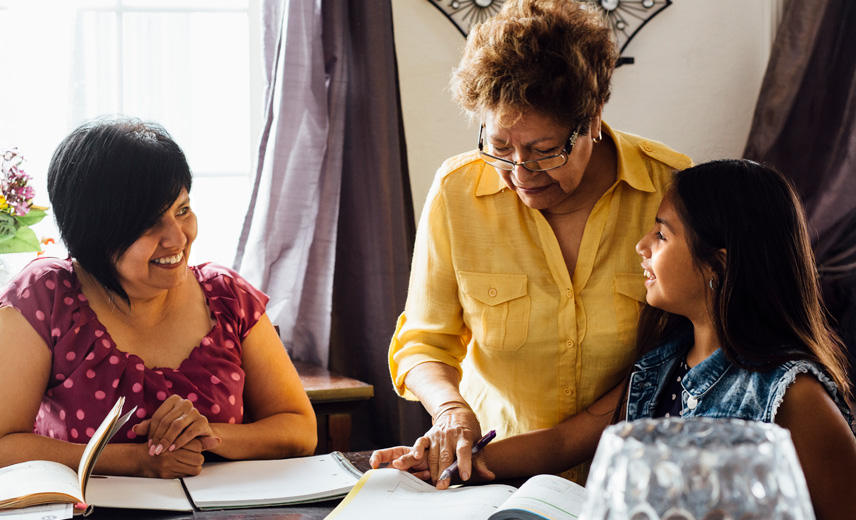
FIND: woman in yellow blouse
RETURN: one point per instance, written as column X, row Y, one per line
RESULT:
column 525, row 285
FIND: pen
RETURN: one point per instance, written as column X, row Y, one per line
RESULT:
column 447, row 473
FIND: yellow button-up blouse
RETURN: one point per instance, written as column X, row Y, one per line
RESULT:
column 490, row 293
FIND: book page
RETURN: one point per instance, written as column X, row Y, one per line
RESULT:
column 544, row 496
column 269, row 482
column 108, row 427
column 162, row 494
column 38, row 477
column 43, row 512
column 390, row 493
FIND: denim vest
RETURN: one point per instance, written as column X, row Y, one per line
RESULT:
column 716, row 388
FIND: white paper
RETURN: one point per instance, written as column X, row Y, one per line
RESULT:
column 43, row 512
column 392, row 494
column 550, row 497
column 36, row 477
column 137, row 493
column 268, row 482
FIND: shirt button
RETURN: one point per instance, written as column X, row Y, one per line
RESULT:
column 570, row 293
column 692, row 402
column 570, row 343
column 567, row 391
column 647, row 147
column 492, row 292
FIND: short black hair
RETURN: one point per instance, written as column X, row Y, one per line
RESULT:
column 109, row 181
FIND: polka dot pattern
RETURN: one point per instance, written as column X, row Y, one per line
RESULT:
column 671, row 404
column 90, row 372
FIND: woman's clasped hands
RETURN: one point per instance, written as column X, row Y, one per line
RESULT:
column 453, row 435
column 177, row 435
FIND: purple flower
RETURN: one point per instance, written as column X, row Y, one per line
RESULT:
column 21, row 208
column 14, row 184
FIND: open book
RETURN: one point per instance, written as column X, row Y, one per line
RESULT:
column 222, row 485
column 46, row 482
column 389, row 493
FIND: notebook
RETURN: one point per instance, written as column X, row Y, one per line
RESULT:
column 234, row 484
column 391, row 494
column 39, row 482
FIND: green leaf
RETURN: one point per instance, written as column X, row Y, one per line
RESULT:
column 34, row 216
column 8, row 226
column 25, row 240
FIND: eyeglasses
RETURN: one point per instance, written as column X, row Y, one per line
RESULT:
column 535, row 165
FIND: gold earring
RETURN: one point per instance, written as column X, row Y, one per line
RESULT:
column 598, row 139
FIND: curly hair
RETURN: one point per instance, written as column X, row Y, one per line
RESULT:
column 552, row 56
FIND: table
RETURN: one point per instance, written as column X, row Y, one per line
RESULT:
column 316, row 511
column 334, row 398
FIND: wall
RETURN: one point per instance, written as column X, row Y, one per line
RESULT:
column 699, row 66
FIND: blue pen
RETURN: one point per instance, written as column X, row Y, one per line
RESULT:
column 447, row 473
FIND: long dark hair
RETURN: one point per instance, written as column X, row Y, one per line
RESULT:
column 766, row 303
column 109, row 181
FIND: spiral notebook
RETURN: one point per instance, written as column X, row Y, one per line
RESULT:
column 225, row 485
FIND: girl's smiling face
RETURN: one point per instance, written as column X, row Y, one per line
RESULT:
column 157, row 261
column 674, row 282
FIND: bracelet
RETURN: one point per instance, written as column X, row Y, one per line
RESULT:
column 445, row 407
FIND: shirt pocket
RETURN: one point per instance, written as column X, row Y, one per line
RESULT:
column 496, row 308
column 629, row 296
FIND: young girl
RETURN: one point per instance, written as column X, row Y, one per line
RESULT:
column 735, row 328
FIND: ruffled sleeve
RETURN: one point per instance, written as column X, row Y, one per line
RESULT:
column 43, row 292
column 232, row 299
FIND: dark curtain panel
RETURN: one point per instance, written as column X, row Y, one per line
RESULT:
column 805, row 125
column 376, row 222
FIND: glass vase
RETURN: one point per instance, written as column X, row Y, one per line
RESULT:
column 696, row 469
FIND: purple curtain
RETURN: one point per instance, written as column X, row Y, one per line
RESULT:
column 805, row 125
column 376, row 223
column 330, row 228
column 288, row 244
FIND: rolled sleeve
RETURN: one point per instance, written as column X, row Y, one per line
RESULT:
column 432, row 328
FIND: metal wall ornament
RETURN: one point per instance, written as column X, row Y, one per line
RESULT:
column 625, row 17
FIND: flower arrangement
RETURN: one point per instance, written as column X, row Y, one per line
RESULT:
column 17, row 212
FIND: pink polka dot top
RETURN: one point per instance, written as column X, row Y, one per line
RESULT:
column 89, row 372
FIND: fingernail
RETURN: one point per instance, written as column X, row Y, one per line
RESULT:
column 171, row 447
column 150, row 442
column 465, row 475
column 159, row 449
column 151, row 451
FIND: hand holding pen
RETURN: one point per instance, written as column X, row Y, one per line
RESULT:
column 478, row 446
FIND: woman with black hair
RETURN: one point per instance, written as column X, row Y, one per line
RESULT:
column 125, row 315
column 735, row 328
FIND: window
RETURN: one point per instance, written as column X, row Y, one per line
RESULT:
column 192, row 65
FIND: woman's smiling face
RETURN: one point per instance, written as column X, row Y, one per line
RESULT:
column 674, row 282
column 157, row 261
column 535, row 136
